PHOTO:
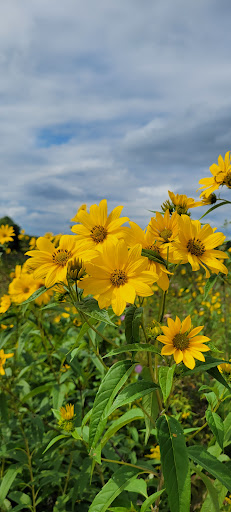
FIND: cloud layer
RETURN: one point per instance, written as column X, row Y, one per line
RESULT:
column 117, row 100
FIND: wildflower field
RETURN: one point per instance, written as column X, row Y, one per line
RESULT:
column 115, row 369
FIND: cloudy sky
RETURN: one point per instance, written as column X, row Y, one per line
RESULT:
column 110, row 99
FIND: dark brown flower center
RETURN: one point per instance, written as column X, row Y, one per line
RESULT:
column 165, row 234
column 180, row 341
column 98, row 234
column 181, row 209
column 26, row 290
column 118, row 278
column 195, row 246
column 227, row 180
column 61, row 257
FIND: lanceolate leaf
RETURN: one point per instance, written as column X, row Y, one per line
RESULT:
column 209, row 285
column 7, row 482
column 214, row 208
column 127, row 417
column 133, row 347
column 132, row 392
column 217, row 426
column 133, row 320
column 175, row 463
column 35, row 295
column 153, row 255
column 165, row 380
column 54, row 440
column 211, row 464
column 121, row 478
column 210, row 487
column 90, row 307
column 110, row 386
column 150, row 500
column 214, row 372
column 210, row 362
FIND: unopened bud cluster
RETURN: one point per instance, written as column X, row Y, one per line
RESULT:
column 75, row 269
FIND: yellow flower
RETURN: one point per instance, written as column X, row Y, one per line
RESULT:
column 50, row 263
column 224, row 367
column 21, row 288
column 155, row 453
column 5, row 303
column 76, row 217
column 32, row 242
column 6, row 233
column 196, row 245
column 183, row 342
column 221, row 175
column 182, row 203
column 135, row 235
column 96, row 227
column 67, row 412
column 3, row 358
column 117, row 275
column 164, row 228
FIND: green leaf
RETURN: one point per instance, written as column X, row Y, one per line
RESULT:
column 211, row 489
column 35, row 295
column 211, row 464
column 20, row 497
column 165, row 380
column 214, row 208
column 110, row 386
column 7, row 481
column 117, row 483
column 214, row 372
column 132, row 392
column 37, row 391
column 208, row 505
column 54, row 440
column 133, row 320
column 209, row 285
column 175, row 463
column 217, row 426
column 3, row 408
column 58, row 393
column 84, row 329
column 127, row 417
column 138, row 485
column 90, row 307
column 153, row 255
column 133, row 347
column 150, row 500
column 227, row 430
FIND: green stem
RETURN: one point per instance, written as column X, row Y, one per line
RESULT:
column 130, row 465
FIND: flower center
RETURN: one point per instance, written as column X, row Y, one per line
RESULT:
column 195, row 246
column 118, row 278
column 180, row 341
column 227, row 180
column 165, row 234
column 61, row 257
column 26, row 290
column 181, row 208
column 98, row 234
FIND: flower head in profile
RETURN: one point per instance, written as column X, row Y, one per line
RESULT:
column 221, row 175
column 67, row 412
column 182, row 203
column 5, row 303
column 6, row 233
column 135, row 235
column 183, row 342
column 117, row 275
column 3, row 358
column 196, row 245
column 97, row 227
column 225, row 367
column 50, row 263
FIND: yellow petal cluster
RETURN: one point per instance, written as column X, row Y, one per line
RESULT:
column 5, row 303
column 117, row 275
column 3, row 358
column 183, row 342
column 196, row 245
column 97, row 227
column 6, row 233
column 221, row 175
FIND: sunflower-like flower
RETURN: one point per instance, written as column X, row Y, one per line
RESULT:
column 225, row 367
column 22, row 287
column 182, row 203
column 67, row 412
column 196, row 245
column 97, row 227
column 6, row 233
column 3, row 358
column 164, row 228
column 183, row 342
column 117, row 275
column 5, row 303
column 135, row 235
column 221, row 175
column 50, row 262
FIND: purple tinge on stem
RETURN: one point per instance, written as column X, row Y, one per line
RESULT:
column 138, row 368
